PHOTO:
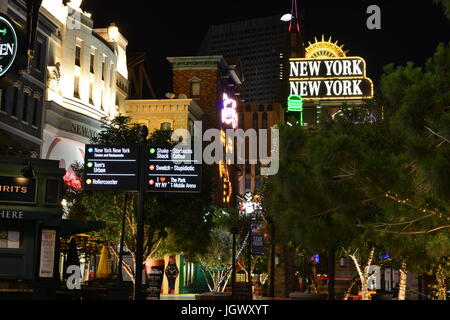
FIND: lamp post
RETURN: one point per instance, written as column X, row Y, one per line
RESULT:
column 234, row 232
column 250, row 207
column 272, row 257
column 331, row 271
column 143, row 134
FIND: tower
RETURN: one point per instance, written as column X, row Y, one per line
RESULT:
column 294, row 48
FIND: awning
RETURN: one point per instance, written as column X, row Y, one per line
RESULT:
column 72, row 227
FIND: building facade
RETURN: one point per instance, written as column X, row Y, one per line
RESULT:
column 256, row 116
column 87, row 81
column 22, row 104
column 259, row 43
column 167, row 114
column 214, row 83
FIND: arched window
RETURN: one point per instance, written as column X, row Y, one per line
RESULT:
column 195, row 87
column 166, row 126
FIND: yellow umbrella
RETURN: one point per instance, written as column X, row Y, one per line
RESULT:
column 103, row 270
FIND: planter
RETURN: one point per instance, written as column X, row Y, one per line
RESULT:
column 154, row 273
column 308, row 296
column 213, row 296
column 382, row 296
column 120, row 291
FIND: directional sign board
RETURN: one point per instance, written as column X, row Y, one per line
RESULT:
column 172, row 169
column 111, row 168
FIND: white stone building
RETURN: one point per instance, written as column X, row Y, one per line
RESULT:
column 87, row 81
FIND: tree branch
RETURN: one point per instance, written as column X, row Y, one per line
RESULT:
column 403, row 223
column 437, row 135
column 409, row 232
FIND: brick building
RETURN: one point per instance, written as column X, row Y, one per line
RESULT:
column 206, row 80
column 256, row 116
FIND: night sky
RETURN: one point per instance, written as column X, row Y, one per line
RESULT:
column 410, row 31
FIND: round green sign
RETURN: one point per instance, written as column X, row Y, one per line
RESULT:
column 8, row 45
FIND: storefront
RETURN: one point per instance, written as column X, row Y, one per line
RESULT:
column 31, row 225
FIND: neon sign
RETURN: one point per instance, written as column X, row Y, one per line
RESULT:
column 229, row 111
column 295, row 104
column 340, row 78
column 8, row 44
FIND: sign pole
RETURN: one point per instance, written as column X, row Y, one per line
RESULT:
column 250, row 256
column 122, row 241
column 143, row 134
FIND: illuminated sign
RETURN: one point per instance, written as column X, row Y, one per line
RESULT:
column 111, row 168
column 229, row 112
column 257, row 239
column 117, row 169
column 172, row 170
column 8, row 44
column 330, row 79
column 17, row 190
column 295, row 104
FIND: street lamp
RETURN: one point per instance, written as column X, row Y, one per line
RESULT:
column 113, row 32
column 29, row 172
column 249, row 207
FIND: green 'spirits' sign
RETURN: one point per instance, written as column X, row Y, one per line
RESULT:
column 8, row 44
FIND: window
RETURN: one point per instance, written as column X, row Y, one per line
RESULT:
column 92, row 63
column 76, row 91
column 25, row 107
column 102, row 100
column 270, row 107
column 3, row 100
column 78, row 56
column 248, row 108
column 38, row 56
column 103, row 69
column 52, row 192
column 91, row 93
column 248, row 176
column 34, row 122
column 15, row 101
column 10, row 240
column 195, row 89
column 255, row 120
column 111, row 79
column 166, row 126
column 264, row 120
column 261, row 108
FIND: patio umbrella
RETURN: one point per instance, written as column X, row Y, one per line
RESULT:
column 103, row 270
